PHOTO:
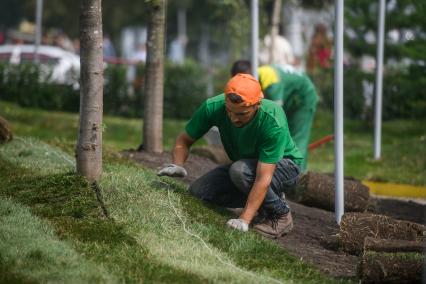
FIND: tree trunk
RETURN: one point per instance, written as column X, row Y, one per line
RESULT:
column 89, row 145
column 154, row 77
column 5, row 132
column 355, row 227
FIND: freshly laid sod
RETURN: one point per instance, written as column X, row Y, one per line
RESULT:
column 403, row 141
column 30, row 252
column 140, row 237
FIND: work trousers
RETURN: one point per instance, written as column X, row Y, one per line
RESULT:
column 300, row 123
column 230, row 185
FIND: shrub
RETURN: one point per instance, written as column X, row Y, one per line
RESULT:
column 28, row 85
column 184, row 90
column 353, row 100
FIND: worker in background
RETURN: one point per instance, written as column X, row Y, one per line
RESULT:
column 265, row 160
column 294, row 91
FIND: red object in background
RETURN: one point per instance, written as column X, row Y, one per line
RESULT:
column 321, row 141
column 324, row 55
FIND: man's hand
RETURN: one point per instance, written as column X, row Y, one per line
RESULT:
column 238, row 224
column 172, row 170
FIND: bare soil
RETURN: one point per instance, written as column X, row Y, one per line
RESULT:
column 314, row 237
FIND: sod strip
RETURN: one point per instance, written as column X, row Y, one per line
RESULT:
column 35, row 155
column 30, row 252
column 136, row 198
column 143, row 241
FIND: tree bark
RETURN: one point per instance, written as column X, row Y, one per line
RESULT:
column 89, row 144
column 154, row 77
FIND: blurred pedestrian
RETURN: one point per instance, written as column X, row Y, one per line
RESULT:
column 320, row 50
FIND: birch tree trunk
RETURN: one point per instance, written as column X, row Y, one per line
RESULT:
column 89, row 144
column 154, row 77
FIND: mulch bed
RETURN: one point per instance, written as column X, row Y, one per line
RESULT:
column 314, row 237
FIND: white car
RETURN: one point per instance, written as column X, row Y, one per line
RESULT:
column 58, row 65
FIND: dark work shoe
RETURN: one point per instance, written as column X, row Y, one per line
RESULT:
column 276, row 226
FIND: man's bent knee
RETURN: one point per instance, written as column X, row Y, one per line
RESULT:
column 196, row 189
column 241, row 173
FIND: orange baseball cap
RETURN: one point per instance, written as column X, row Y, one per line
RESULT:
column 246, row 86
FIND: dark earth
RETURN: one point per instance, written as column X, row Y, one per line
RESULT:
column 314, row 237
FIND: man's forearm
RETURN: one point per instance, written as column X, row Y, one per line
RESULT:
column 180, row 154
column 181, row 149
column 254, row 201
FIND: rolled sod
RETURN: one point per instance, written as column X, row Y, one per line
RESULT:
column 390, row 267
column 5, row 132
column 355, row 227
column 389, row 245
column 317, row 190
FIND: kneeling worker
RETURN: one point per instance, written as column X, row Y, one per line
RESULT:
column 255, row 135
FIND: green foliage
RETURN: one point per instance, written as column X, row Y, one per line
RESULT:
column 404, row 93
column 184, row 89
column 29, row 86
column 353, row 100
column 403, row 81
column 117, row 99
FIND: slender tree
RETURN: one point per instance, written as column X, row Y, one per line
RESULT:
column 89, row 145
column 154, row 77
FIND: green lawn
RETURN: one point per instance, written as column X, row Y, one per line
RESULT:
column 55, row 231
column 403, row 150
column 403, row 142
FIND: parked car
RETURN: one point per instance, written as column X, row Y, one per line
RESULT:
column 57, row 65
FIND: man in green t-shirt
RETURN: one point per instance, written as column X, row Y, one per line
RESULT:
column 294, row 91
column 255, row 136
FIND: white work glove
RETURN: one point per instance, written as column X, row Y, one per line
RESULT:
column 238, row 224
column 172, row 170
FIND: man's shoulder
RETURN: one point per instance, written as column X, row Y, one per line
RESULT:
column 215, row 102
column 216, row 99
column 273, row 112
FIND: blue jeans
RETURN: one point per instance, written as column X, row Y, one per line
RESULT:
column 230, row 185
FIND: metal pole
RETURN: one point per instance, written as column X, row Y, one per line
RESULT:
column 39, row 11
column 338, row 110
column 379, row 81
column 254, row 35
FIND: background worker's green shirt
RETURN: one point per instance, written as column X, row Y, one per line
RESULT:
column 266, row 137
column 284, row 83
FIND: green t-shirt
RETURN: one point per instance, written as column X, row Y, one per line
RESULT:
column 285, row 84
column 266, row 137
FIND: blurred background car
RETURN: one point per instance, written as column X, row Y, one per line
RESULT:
column 56, row 64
